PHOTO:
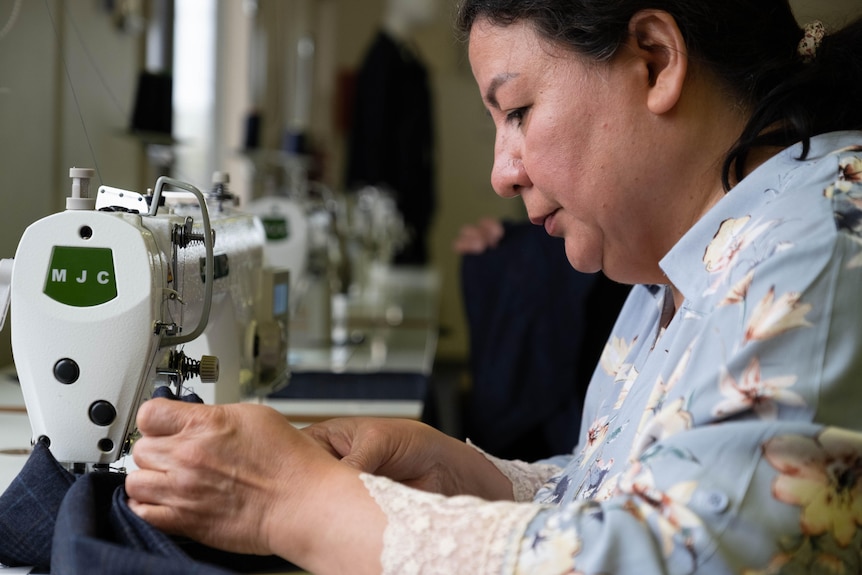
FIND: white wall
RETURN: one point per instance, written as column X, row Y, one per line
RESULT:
column 28, row 118
column 833, row 13
column 67, row 78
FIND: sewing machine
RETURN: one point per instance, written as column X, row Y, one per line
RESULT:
column 119, row 294
column 301, row 237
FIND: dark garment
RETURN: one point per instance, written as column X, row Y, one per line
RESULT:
column 28, row 510
column 96, row 532
column 81, row 525
column 391, row 140
column 537, row 328
column 384, row 385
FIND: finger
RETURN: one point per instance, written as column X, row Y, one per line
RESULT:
column 159, row 516
column 368, row 457
column 492, row 231
column 361, row 461
column 150, row 452
column 157, row 489
column 322, row 439
column 461, row 243
column 471, row 241
column 163, row 416
column 335, row 435
column 146, row 486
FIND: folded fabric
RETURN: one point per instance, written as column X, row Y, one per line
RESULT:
column 28, row 510
column 96, row 532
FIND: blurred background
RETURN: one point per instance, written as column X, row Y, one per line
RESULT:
column 279, row 72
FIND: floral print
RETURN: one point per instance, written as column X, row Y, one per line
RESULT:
column 674, row 520
column 551, row 554
column 613, row 359
column 752, row 392
column 727, row 244
column 823, row 476
column 739, row 291
column 730, row 242
column 595, row 436
column 846, row 193
column 771, row 318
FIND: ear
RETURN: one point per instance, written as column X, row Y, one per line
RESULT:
column 657, row 42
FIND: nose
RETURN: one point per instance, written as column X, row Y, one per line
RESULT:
column 508, row 176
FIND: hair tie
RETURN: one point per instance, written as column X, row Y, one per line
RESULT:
column 811, row 40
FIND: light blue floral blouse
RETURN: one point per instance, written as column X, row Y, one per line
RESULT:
column 731, row 440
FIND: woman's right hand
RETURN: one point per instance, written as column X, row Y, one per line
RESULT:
column 411, row 453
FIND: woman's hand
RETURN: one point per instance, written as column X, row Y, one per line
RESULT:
column 479, row 237
column 412, row 453
column 237, row 477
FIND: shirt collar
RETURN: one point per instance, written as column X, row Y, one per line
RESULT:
column 683, row 265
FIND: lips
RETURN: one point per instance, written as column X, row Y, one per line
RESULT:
column 547, row 221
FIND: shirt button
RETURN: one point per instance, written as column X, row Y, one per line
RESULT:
column 713, row 501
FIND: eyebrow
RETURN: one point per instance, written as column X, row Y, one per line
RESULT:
column 496, row 82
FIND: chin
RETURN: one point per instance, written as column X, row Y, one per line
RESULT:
column 582, row 264
column 584, row 250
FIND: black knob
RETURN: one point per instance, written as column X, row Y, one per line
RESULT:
column 102, row 413
column 66, row 371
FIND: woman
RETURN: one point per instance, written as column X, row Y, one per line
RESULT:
column 693, row 149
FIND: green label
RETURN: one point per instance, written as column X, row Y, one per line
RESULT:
column 81, row 277
column 276, row 228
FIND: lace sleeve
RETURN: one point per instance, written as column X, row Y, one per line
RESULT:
column 431, row 534
column 526, row 478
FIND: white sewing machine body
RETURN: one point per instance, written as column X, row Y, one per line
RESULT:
column 83, row 328
column 108, row 305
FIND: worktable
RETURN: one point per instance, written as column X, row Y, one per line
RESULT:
column 383, row 369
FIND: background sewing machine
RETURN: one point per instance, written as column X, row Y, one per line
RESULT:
column 119, row 294
column 335, row 246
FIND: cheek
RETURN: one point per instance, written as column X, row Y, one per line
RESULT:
column 554, row 153
column 550, row 165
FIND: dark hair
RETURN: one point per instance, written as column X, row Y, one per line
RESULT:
column 750, row 45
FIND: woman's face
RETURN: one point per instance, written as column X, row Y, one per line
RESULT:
column 574, row 142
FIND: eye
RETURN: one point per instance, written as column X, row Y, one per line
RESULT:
column 516, row 116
